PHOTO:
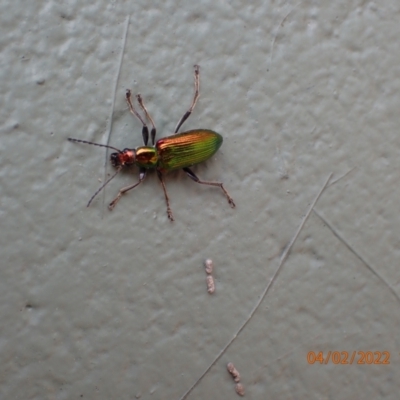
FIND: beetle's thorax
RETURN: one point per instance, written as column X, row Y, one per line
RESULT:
column 146, row 157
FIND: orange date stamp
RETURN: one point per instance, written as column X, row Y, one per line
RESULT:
column 349, row 358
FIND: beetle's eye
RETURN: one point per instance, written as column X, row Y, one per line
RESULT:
column 115, row 160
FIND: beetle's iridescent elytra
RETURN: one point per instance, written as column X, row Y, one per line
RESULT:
column 179, row 151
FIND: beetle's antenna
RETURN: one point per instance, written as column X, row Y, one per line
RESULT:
column 95, row 144
column 102, row 187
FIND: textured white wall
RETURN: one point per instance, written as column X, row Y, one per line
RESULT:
column 101, row 305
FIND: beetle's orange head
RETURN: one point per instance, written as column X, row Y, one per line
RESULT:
column 125, row 157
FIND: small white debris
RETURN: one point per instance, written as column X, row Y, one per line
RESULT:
column 209, row 266
column 233, row 371
column 239, row 389
column 210, row 284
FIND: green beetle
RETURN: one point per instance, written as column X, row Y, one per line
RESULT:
column 179, row 151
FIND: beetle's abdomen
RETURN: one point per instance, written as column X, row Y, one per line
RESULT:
column 187, row 148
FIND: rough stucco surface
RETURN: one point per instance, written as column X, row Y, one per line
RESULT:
column 102, row 305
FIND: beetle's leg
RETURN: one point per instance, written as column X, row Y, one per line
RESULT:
column 142, row 176
column 153, row 129
column 145, row 130
column 169, row 212
column 192, row 176
column 102, row 187
column 196, row 96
